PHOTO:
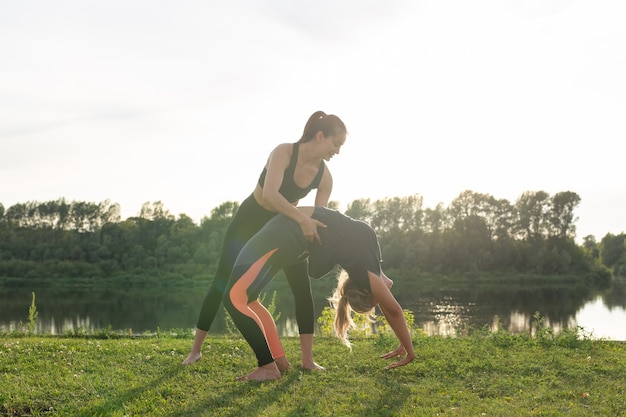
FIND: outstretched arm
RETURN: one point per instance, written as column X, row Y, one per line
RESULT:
column 395, row 316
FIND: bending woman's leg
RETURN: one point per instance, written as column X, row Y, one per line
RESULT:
column 277, row 244
column 269, row 329
column 248, row 220
column 254, row 321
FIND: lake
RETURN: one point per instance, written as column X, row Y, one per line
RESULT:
column 438, row 310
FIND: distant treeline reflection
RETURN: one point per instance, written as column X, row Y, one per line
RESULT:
column 441, row 305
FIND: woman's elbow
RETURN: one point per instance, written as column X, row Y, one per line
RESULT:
column 270, row 197
column 395, row 312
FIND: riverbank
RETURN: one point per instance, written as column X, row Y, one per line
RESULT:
column 491, row 374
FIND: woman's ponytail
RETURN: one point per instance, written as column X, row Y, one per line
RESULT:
column 328, row 124
column 347, row 298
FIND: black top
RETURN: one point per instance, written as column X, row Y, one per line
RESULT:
column 349, row 243
column 289, row 189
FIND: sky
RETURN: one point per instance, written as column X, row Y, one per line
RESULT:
column 181, row 102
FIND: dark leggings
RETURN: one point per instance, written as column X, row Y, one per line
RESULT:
column 248, row 220
column 279, row 244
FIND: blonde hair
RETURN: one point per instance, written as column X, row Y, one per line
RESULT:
column 346, row 299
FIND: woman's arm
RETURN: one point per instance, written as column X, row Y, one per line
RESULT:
column 395, row 316
column 324, row 189
column 276, row 166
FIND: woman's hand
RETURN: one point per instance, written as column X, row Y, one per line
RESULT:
column 395, row 317
column 400, row 363
column 398, row 352
column 309, row 229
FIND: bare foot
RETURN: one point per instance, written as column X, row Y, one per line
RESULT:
column 312, row 366
column 282, row 363
column 191, row 358
column 263, row 373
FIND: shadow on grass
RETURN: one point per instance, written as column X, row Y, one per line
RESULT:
column 231, row 396
column 386, row 398
column 126, row 397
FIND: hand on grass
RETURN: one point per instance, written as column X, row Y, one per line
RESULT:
column 400, row 363
column 398, row 352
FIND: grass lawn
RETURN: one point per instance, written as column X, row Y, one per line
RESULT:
column 486, row 374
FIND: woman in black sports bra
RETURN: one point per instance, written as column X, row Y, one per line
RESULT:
column 291, row 172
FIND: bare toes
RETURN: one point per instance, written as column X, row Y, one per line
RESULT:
column 191, row 358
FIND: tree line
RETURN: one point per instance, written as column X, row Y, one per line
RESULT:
column 475, row 234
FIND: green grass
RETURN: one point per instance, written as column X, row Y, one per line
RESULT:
column 490, row 374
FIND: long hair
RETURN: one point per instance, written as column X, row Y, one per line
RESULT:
column 346, row 299
column 328, row 124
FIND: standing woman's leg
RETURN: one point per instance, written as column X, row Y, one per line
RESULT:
column 213, row 298
column 300, row 284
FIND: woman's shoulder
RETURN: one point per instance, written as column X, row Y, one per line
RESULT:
column 282, row 152
column 284, row 148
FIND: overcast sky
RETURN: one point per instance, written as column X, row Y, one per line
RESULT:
column 181, row 102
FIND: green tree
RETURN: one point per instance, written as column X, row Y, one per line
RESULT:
column 469, row 241
column 397, row 214
column 612, row 250
column 561, row 214
column 360, row 209
column 435, row 219
column 532, row 209
column 214, row 227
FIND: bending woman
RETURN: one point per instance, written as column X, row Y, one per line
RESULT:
column 291, row 172
column 349, row 243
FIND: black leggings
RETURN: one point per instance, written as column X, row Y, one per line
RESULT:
column 279, row 244
column 248, row 220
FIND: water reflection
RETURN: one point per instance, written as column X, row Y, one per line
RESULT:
column 438, row 311
column 70, row 309
column 445, row 316
column 592, row 317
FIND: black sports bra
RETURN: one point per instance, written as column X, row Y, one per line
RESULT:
column 289, row 189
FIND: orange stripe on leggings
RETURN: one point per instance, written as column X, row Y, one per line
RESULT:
column 269, row 328
column 239, row 297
